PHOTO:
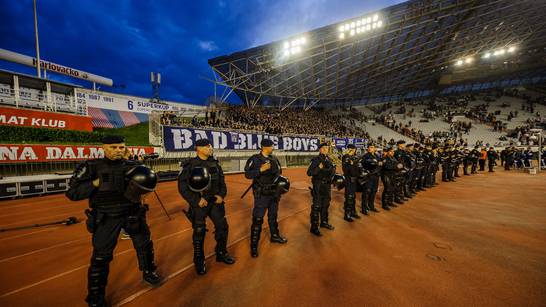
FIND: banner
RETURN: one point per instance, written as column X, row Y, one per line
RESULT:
column 10, row 153
column 343, row 142
column 11, row 56
column 183, row 139
column 103, row 100
column 41, row 119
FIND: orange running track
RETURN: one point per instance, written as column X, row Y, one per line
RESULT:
column 480, row 241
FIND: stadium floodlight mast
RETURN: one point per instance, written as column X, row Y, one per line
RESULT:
column 359, row 26
column 293, row 47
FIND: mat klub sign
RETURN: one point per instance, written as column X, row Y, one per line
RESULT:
column 10, row 153
column 40, row 119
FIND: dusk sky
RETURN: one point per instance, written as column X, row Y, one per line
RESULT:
column 126, row 40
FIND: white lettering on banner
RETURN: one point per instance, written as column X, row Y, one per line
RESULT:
column 313, row 145
column 16, row 120
column 117, row 102
column 241, row 141
column 28, row 152
column 287, row 143
column 200, row 134
column 181, row 138
column 251, row 145
column 9, row 153
column 219, row 140
column 44, row 153
column 53, row 153
column 96, row 152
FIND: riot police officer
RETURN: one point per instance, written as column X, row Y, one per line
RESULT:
column 201, row 183
column 114, row 187
column 265, row 170
column 467, row 160
column 400, row 179
column 372, row 164
column 351, row 171
column 492, row 157
column 475, row 156
column 322, row 170
column 388, row 176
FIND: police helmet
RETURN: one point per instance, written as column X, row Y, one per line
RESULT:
column 282, row 184
column 140, row 181
column 338, row 181
column 199, row 179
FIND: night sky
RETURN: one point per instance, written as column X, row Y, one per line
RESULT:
column 125, row 40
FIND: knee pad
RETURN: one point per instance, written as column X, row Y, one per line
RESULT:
column 257, row 220
column 199, row 231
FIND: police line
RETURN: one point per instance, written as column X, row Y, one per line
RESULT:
column 183, row 139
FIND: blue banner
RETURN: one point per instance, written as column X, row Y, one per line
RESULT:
column 343, row 142
column 183, row 139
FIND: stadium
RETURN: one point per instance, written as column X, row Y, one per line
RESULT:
column 408, row 169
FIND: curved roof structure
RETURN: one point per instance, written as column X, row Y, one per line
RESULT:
column 420, row 45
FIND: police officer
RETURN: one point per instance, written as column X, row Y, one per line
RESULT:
column 201, row 183
column 492, row 157
column 400, row 179
column 264, row 169
column 114, row 187
column 351, row 171
column 467, row 160
column 322, row 170
column 475, row 156
column 388, row 176
column 372, row 164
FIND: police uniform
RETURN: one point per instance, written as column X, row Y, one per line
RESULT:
column 371, row 163
column 475, row 156
column 266, row 196
column 388, row 177
column 111, row 210
column 321, row 170
column 351, row 171
column 400, row 175
column 193, row 170
column 492, row 157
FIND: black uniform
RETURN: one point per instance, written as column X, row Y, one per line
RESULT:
column 388, row 177
column 110, row 212
column 197, row 215
column 321, row 192
column 266, row 198
column 474, row 156
column 370, row 162
column 492, row 157
column 351, row 171
column 401, row 178
column 467, row 160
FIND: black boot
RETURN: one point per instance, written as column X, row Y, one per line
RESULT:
column 198, row 252
column 371, row 202
column 255, row 231
column 222, row 254
column 347, row 216
column 224, row 257
column 147, row 266
column 325, row 224
column 275, row 236
column 315, row 215
column 354, row 215
column 97, row 278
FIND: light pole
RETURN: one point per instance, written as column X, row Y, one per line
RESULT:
column 37, row 44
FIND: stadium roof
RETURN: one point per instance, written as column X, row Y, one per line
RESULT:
column 413, row 46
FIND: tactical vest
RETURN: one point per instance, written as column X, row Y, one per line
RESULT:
column 265, row 180
column 108, row 197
